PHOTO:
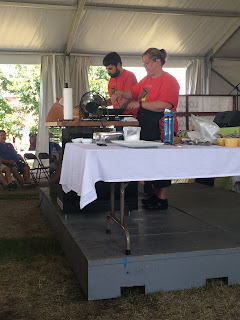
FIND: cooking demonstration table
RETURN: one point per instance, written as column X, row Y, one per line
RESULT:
column 85, row 164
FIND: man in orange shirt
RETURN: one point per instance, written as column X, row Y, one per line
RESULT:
column 121, row 79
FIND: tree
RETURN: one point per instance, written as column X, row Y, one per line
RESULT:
column 6, row 110
column 24, row 84
column 98, row 81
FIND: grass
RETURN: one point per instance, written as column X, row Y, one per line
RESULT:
column 21, row 193
column 25, row 249
column 19, row 196
column 37, row 282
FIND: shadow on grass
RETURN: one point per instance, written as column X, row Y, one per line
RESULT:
column 26, row 248
column 19, row 194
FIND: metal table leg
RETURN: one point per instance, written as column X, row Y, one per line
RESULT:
column 111, row 216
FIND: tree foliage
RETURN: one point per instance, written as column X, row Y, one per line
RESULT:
column 23, row 83
column 6, row 110
column 98, row 80
column 26, row 84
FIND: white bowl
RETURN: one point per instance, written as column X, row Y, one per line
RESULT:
column 77, row 140
column 86, row 140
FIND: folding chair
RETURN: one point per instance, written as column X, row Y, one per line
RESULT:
column 34, row 171
column 42, row 167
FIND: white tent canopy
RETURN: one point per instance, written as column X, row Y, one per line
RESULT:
column 186, row 29
column 203, row 35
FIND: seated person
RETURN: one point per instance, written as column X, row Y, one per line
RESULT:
column 6, row 179
column 55, row 151
column 10, row 158
column 55, row 162
column 55, row 176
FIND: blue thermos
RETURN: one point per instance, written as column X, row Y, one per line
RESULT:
column 168, row 126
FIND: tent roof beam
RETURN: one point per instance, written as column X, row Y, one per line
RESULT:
column 2, row 52
column 139, row 9
column 36, row 5
column 75, row 24
column 162, row 10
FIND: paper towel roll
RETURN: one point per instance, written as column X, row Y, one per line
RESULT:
column 67, row 103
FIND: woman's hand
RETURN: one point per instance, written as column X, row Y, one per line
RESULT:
column 133, row 105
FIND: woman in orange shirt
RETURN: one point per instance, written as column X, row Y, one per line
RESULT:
column 154, row 93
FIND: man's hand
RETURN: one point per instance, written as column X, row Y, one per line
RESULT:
column 133, row 105
column 116, row 96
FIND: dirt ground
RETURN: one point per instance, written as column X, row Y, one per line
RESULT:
column 37, row 282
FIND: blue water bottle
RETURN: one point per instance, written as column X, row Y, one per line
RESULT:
column 168, row 126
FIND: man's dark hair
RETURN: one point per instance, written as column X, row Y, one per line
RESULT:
column 112, row 58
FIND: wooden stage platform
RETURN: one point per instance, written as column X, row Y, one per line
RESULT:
column 196, row 239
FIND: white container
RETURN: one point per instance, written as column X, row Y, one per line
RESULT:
column 87, row 140
column 131, row 133
column 77, row 140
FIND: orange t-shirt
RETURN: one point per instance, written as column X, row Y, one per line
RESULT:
column 164, row 88
column 126, row 80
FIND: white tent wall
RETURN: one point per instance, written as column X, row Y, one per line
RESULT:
column 79, row 67
column 55, row 71
column 52, row 82
column 218, row 85
column 229, row 69
column 46, row 99
column 195, row 77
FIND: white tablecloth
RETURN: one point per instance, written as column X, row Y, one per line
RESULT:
column 84, row 165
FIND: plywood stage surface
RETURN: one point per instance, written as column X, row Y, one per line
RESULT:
column 196, row 239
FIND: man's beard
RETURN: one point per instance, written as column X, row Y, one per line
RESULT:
column 116, row 74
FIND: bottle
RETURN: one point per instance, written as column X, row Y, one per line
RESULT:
column 168, row 126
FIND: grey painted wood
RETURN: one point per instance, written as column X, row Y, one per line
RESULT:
column 196, row 239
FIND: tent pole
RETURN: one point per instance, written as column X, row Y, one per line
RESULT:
column 54, row 78
column 207, row 70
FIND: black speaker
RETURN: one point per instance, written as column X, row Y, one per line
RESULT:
column 228, row 119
